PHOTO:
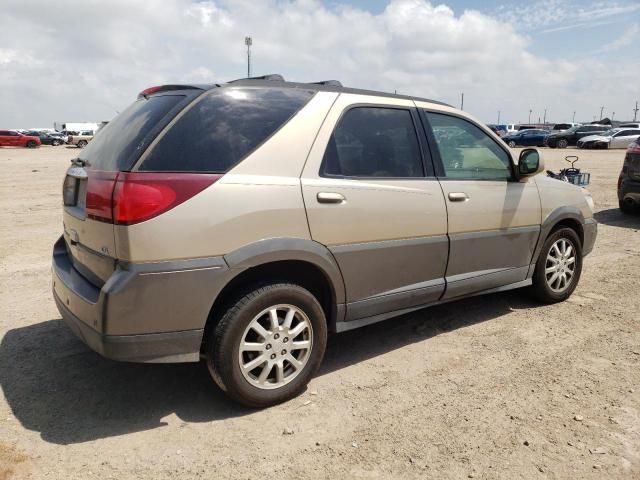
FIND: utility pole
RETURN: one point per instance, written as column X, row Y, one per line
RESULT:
column 462, row 101
column 613, row 114
column 574, row 117
column 544, row 122
column 498, row 117
column 530, row 112
column 601, row 110
column 248, row 41
column 635, row 111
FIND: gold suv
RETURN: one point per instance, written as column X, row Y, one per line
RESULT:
column 242, row 222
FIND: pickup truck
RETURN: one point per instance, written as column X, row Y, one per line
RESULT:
column 81, row 140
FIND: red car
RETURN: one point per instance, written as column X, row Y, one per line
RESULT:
column 10, row 138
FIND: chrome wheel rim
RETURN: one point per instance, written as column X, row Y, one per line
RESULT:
column 560, row 266
column 275, row 347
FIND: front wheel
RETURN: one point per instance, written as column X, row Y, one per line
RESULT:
column 512, row 144
column 82, row 143
column 562, row 143
column 55, row 143
column 268, row 344
column 31, row 144
column 559, row 266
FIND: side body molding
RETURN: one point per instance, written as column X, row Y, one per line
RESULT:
column 287, row 249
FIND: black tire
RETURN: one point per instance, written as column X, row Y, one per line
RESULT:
column 563, row 143
column 540, row 288
column 31, row 144
column 512, row 144
column 55, row 143
column 626, row 208
column 222, row 344
column 82, row 144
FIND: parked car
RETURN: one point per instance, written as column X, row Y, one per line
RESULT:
column 571, row 136
column 613, row 138
column 81, row 139
column 533, row 138
column 629, row 180
column 317, row 208
column 559, row 127
column 11, row 138
column 45, row 138
column 629, row 125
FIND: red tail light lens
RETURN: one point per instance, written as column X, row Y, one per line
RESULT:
column 98, row 203
column 126, row 198
column 141, row 196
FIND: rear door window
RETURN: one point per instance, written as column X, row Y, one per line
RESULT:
column 374, row 142
column 122, row 140
column 222, row 128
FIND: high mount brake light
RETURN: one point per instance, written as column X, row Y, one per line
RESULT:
column 127, row 198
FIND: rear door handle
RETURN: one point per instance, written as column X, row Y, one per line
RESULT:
column 458, row 197
column 330, row 197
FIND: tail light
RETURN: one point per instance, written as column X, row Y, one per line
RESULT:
column 125, row 198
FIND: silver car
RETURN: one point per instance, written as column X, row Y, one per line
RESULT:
column 614, row 138
column 241, row 223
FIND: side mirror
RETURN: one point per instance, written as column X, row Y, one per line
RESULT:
column 530, row 163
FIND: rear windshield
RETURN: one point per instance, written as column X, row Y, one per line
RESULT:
column 118, row 145
column 224, row 127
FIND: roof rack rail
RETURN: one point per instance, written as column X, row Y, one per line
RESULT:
column 332, row 83
column 274, row 77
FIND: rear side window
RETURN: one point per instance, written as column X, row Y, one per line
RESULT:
column 374, row 142
column 223, row 128
column 121, row 141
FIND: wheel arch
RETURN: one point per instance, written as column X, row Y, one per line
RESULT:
column 566, row 216
column 301, row 261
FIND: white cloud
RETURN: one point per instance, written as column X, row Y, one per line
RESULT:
column 628, row 37
column 85, row 61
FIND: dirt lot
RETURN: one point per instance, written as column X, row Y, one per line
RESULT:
column 490, row 387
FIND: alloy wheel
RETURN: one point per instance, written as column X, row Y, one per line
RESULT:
column 560, row 266
column 275, row 347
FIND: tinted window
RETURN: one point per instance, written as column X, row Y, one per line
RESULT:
column 122, row 140
column 223, row 127
column 467, row 151
column 374, row 142
column 4, row 132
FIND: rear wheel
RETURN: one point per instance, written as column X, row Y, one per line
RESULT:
column 55, row 143
column 559, row 266
column 31, row 144
column 626, row 207
column 82, row 143
column 268, row 344
column 512, row 144
column 562, row 143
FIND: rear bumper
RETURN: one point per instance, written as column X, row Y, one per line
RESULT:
column 144, row 312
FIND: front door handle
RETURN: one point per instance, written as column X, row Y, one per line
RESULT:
column 330, row 197
column 458, row 197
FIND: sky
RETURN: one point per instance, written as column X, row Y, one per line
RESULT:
column 74, row 61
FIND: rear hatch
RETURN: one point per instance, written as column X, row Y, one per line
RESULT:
column 90, row 181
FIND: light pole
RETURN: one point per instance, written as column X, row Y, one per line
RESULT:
column 248, row 41
column 498, row 117
column 613, row 114
column 530, row 111
column 462, row 101
column 601, row 110
column 574, row 117
column 544, row 121
column 635, row 111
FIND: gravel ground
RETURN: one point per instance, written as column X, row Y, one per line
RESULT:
column 490, row 387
